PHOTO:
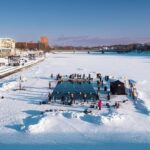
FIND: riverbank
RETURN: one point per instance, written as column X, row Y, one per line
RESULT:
column 8, row 70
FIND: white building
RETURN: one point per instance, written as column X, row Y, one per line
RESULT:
column 7, row 47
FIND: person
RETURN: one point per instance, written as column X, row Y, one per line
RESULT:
column 108, row 96
column 107, row 78
column 63, row 99
column 98, row 75
column 20, row 81
column 72, row 98
column 52, row 76
column 130, row 92
column 99, row 93
column 80, row 95
column 98, row 88
column 98, row 85
column 108, row 105
column 98, row 82
column 117, row 105
column 49, row 97
column 100, row 78
column 83, row 76
column 102, row 83
column 100, row 104
column 134, row 95
column 89, row 77
column 85, row 97
column 58, row 77
column 80, row 76
column 49, row 85
column 105, row 88
column 124, row 101
column 97, row 96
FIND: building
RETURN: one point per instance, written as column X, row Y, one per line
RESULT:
column 7, row 47
column 41, row 45
column 44, row 41
column 27, row 45
column 117, row 88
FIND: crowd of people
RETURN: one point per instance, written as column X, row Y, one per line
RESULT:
column 73, row 77
column 70, row 98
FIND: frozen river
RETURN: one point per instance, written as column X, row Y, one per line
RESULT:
column 22, row 125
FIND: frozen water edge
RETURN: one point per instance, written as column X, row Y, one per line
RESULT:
column 96, row 146
column 70, row 144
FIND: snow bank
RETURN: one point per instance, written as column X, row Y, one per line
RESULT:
column 59, row 122
column 143, row 90
column 6, row 85
column 45, row 125
column 113, row 119
column 52, row 123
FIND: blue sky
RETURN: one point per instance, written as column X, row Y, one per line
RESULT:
column 76, row 22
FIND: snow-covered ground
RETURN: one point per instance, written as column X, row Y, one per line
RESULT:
column 24, row 126
column 6, row 69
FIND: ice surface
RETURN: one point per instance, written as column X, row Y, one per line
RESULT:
column 22, row 121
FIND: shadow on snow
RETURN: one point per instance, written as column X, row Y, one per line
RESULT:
column 33, row 118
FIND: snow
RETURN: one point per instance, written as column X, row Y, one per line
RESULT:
column 3, row 60
column 23, row 124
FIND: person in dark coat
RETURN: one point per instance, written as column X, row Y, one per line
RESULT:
column 97, row 96
column 85, row 97
column 130, row 92
column 52, row 76
column 98, row 83
column 63, row 99
column 83, row 76
column 89, row 77
column 102, row 83
column 117, row 105
column 108, row 96
column 49, row 85
column 98, row 88
column 49, row 97
column 105, row 88
column 108, row 105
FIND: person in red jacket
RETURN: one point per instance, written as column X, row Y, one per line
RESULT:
column 100, row 104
